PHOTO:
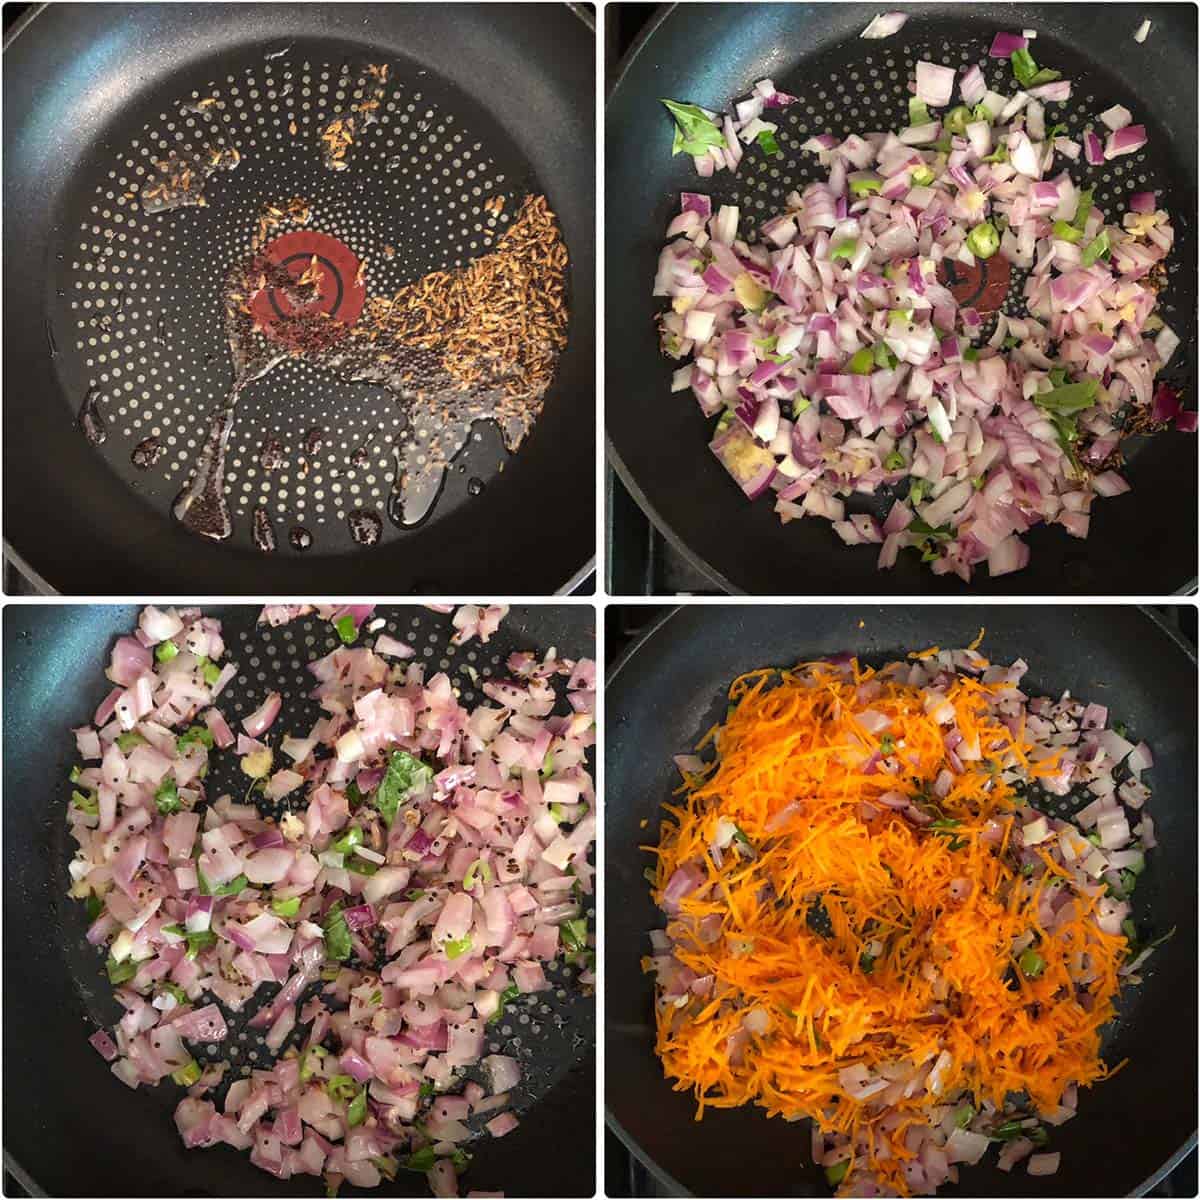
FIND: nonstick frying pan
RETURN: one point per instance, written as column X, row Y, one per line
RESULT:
column 672, row 685
column 70, row 1128
column 713, row 54
column 482, row 102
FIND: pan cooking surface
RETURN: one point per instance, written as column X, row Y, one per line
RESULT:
column 136, row 316
column 550, row 1034
column 672, row 687
column 861, row 86
column 846, row 84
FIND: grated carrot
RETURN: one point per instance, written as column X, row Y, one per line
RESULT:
column 796, row 775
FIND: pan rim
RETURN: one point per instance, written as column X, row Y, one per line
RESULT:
column 525, row 631
column 614, row 459
column 1187, row 587
column 610, row 1119
column 610, row 677
column 565, row 586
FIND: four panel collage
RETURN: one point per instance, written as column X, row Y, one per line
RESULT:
column 626, row 649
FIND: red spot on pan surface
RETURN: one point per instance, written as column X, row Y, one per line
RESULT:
column 342, row 295
column 982, row 286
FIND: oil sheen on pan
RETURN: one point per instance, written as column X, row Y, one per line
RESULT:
column 326, row 273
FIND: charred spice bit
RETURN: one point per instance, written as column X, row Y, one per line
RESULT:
column 300, row 538
column 179, row 182
column 339, row 136
column 206, row 107
column 365, row 526
column 296, row 211
column 271, row 455
column 502, row 319
column 264, row 531
column 91, row 420
column 146, row 453
column 456, row 347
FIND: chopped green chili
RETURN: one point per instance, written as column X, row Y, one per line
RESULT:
column 165, row 651
column 478, row 870
column 387, row 1167
column 421, row 1160
column 766, row 139
column 957, row 119
column 862, row 362
column 195, row 735
column 167, row 797
column 88, row 802
column 1098, row 247
column 120, row 972
column 356, row 1113
column 187, row 1075
column 456, row 947
column 337, row 933
column 1031, row 963
column 983, row 241
column 507, row 996
column 346, row 843
column 836, row 1173
column 865, row 186
column 575, row 934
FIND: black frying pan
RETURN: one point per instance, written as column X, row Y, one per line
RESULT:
column 672, row 685
column 70, row 1128
column 712, row 54
column 482, row 101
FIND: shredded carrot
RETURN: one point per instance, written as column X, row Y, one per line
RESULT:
column 857, row 937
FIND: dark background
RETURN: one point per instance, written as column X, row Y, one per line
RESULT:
column 17, row 583
column 624, row 1175
column 638, row 559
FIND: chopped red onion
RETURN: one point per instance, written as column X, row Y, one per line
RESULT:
column 1005, row 44
column 850, row 273
column 1125, row 141
column 266, row 914
column 935, row 84
column 263, row 717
